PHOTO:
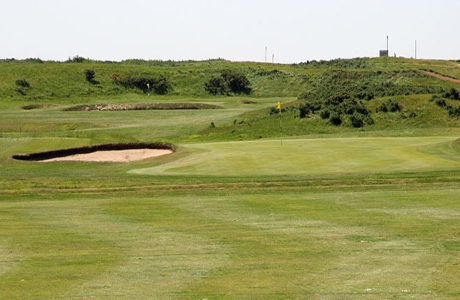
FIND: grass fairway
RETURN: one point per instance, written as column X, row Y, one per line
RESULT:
column 367, row 243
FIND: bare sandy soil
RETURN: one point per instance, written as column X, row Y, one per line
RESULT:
column 442, row 77
column 113, row 156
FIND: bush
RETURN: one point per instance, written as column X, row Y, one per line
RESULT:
column 237, row 83
column 394, row 106
column 389, row 106
column 216, row 86
column 22, row 83
column 325, row 114
column 76, row 59
column 228, row 82
column 357, row 120
column 453, row 111
column 440, row 102
column 335, row 119
column 90, row 74
column 452, row 94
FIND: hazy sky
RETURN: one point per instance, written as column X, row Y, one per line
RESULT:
column 239, row 30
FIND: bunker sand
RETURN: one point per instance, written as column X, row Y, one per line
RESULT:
column 113, row 155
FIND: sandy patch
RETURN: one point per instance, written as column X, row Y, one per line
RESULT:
column 114, row 155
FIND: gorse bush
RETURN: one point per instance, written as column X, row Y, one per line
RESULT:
column 228, row 82
column 90, row 75
column 452, row 94
column 337, row 109
column 341, row 95
column 217, row 86
column 355, row 63
column 366, row 85
column 389, row 106
column 22, row 83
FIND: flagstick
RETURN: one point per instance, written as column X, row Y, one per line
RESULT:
column 281, row 124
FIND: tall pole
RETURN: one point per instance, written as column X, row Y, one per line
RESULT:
column 387, row 45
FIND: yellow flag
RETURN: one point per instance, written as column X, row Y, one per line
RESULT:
column 279, row 105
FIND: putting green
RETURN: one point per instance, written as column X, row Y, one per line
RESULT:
column 313, row 156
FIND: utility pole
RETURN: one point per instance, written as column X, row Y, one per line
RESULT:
column 387, row 45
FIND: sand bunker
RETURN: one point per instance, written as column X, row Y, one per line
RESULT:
column 121, row 152
column 113, row 155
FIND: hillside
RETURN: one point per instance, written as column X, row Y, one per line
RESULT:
column 318, row 96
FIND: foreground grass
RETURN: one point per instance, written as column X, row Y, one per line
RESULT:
column 375, row 243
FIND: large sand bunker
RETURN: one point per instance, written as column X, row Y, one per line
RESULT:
column 103, row 153
column 113, row 155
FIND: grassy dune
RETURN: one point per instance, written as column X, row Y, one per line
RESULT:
column 332, row 213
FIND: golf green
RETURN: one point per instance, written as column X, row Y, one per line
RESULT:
column 312, row 156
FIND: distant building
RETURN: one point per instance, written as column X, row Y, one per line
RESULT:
column 383, row 53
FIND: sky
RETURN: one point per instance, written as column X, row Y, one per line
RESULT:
column 282, row 31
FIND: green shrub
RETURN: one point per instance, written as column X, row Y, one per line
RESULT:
column 325, row 114
column 335, row 119
column 357, row 120
column 228, row 82
column 22, row 83
column 440, row 102
column 452, row 94
column 90, row 74
column 394, row 106
column 389, row 106
column 217, row 86
column 453, row 111
column 76, row 59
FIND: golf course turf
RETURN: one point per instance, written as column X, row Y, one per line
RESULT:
column 236, row 211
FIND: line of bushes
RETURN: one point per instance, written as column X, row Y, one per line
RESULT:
column 341, row 95
column 338, row 109
column 158, row 85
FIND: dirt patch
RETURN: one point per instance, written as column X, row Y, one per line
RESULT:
column 103, row 153
column 441, row 76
